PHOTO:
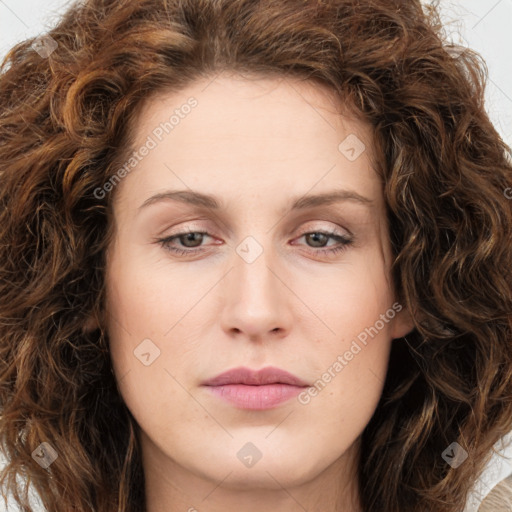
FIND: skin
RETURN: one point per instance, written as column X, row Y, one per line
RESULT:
column 256, row 144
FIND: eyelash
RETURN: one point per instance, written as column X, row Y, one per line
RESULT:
column 343, row 240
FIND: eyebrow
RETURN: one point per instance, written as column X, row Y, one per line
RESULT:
column 300, row 203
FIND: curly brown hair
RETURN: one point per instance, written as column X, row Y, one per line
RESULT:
column 66, row 124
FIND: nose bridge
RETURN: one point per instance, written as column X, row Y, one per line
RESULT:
column 255, row 300
column 254, row 272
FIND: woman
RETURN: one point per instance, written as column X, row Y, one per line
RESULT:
column 255, row 255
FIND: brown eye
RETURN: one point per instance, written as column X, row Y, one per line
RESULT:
column 318, row 239
column 191, row 238
column 189, row 242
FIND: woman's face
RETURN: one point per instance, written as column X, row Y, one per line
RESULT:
column 291, row 272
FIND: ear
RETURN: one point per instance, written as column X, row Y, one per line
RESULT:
column 403, row 323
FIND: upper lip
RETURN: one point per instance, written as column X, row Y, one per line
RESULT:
column 242, row 375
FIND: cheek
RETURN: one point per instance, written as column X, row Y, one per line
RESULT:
column 149, row 294
column 351, row 300
column 151, row 335
column 352, row 355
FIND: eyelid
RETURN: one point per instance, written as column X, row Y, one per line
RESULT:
column 332, row 230
column 342, row 242
column 192, row 228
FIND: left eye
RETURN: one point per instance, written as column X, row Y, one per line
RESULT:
column 193, row 237
column 193, row 240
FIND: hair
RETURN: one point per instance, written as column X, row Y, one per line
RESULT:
column 67, row 121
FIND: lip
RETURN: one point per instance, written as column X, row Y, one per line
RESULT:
column 267, row 375
column 255, row 389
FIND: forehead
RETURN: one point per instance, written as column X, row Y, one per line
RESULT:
column 231, row 106
column 248, row 136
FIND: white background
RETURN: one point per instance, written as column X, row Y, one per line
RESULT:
column 484, row 25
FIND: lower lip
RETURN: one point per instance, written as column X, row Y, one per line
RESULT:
column 256, row 397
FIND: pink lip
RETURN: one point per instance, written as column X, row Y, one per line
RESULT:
column 249, row 389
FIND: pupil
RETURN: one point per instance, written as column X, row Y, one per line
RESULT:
column 189, row 237
column 315, row 236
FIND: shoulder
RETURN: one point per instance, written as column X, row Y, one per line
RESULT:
column 500, row 497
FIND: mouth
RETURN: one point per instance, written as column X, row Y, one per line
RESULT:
column 255, row 390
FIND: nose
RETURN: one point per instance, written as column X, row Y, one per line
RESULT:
column 257, row 304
